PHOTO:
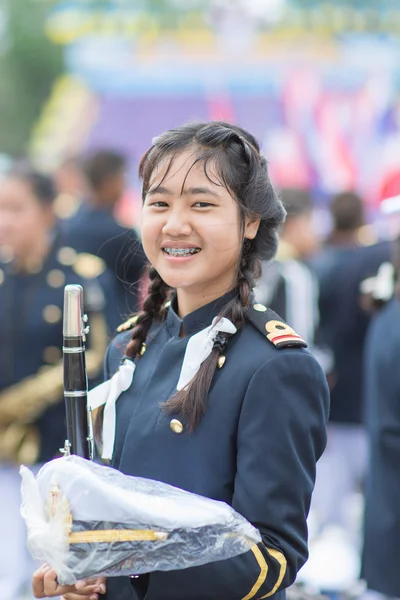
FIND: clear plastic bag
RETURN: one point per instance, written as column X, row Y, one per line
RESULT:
column 84, row 519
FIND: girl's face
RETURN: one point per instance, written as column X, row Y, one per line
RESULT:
column 23, row 220
column 191, row 230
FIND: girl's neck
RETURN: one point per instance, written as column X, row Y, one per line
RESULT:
column 188, row 302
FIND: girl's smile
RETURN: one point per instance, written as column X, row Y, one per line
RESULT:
column 179, row 251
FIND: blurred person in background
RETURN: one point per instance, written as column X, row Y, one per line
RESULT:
column 288, row 286
column 94, row 228
column 381, row 549
column 34, row 268
column 341, row 267
column 71, row 187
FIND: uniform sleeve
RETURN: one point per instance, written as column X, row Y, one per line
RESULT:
column 281, row 435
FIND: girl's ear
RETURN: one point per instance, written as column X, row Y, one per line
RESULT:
column 251, row 227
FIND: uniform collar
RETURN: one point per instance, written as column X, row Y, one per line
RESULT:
column 198, row 319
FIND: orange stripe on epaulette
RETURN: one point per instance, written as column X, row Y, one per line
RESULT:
column 286, row 337
column 287, row 341
column 280, row 334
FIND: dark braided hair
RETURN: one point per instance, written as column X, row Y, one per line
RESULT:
column 157, row 294
column 234, row 155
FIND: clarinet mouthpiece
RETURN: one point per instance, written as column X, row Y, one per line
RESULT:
column 73, row 323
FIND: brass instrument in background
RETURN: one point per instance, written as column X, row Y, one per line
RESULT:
column 23, row 403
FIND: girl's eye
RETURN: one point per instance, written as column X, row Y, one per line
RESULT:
column 202, row 204
column 159, row 204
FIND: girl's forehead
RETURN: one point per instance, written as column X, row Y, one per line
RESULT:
column 187, row 166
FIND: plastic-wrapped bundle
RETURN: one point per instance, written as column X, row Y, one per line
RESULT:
column 86, row 519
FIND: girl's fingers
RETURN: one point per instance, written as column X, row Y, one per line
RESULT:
column 97, row 584
column 53, row 588
column 38, row 581
column 45, row 584
column 72, row 596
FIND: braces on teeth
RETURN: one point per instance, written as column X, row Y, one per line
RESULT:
column 181, row 251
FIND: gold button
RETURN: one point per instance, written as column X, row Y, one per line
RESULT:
column 1, row 276
column 89, row 266
column 51, row 354
column 176, row 426
column 260, row 307
column 221, row 362
column 55, row 278
column 66, row 256
column 51, row 313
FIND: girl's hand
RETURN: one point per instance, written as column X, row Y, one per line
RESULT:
column 45, row 585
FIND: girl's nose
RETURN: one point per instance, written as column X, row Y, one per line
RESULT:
column 177, row 223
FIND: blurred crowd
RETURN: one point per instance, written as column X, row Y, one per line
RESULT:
column 339, row 291
column 54, row 231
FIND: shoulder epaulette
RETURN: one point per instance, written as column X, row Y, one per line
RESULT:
column 275, row 330
column 129, row 324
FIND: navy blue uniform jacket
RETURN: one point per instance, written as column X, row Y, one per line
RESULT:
column 255, row 448
column 380, row 563
column 31, row 311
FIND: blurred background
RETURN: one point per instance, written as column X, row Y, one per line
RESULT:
column 86, row 85
column 317, row 82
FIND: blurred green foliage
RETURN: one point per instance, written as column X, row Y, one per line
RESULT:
column 29, row 63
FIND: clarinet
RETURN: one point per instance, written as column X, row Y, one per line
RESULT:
column 78, row 417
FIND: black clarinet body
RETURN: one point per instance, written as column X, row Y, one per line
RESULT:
column 79, row 425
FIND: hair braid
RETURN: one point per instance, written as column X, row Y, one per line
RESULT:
column 157, row 295
column 248, row 271
column 152, row 307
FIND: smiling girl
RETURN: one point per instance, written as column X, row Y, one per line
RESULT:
column 226, row 400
